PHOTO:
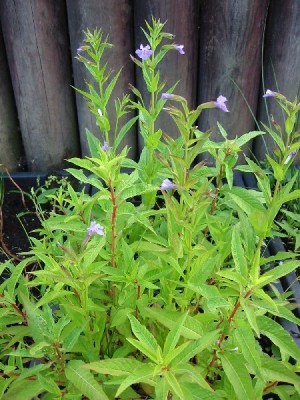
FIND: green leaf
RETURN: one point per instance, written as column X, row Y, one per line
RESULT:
column 174, row 384
column 49, row 384
column 242, row 140
column 110, row 87
column 248, row 200
column 275, row 370
column 84, row 381
column 238, row 252
column 279, row 336
column 173, row 336
column 250, row 314
column 277, row 272
column 123, row 132
column 21, row 390
column 278, row 169
column 184, row 352
column 238, row 376
column 277, row 139
column 194, row 375
column 247, row 345
column 147, row 340
column 143, row 374
column 93, row 143
column 115, row 366
column 222, row 130
column 192, row 328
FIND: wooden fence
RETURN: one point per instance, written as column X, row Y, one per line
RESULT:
column 237, row 48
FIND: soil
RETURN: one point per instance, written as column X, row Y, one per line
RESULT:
column 17, row 220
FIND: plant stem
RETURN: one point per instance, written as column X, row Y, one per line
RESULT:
column 217, row 190
column 230, row 319
column 113, row 224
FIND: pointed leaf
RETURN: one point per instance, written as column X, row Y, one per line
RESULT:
column 279, row 336
column 247, row 137
column 173, row 336
column 142, row 375
column 84, row 381
column 174, row 384
column 115, row 366
column 247, row 345
column 238, row 252
column 238, row 376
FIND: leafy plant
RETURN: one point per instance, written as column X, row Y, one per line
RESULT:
column 153, row 287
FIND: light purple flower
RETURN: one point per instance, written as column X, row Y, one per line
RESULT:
column 290, row 156
column 144, row 52
column 105, row 146
column 95, row 228
column 167, row 96
column 179, row 48
column 167, row 185
column 269, row 93
column 79, row 50
column 220, row 103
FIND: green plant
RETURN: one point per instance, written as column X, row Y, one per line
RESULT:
column 153, row 286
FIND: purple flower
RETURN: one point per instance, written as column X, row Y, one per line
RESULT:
column 179, row 48
column 144, row 52
column 220, row 103
column 95, row 228
column 105, row 146
column 167, row 96
column 79, row 50
column 167, row 185
column 269, row 93
column 290, row 156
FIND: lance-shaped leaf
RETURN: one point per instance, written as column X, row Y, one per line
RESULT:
column 146, row 342
column 173, row 336
column 238, row 376
column 247, row 345
column 277, row 272
column 115, row 366
column 185, row 352
column 279, row 336
column 84, row 381
column 144, row 374
column 238, row 252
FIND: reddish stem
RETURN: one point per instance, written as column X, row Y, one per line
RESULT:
column 230, row 319
column 23, row 315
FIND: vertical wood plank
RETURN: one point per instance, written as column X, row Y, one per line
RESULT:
column 181, row 19
column 10, row 139
column 281, row 66
column 36, row 40
column 230, row 61
column 114, row 18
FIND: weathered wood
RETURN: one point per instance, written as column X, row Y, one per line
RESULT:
column 281, row 65
column 230, row 62
column 35, row 36
column 181, row 19
column 114, row 18
column 10, row 140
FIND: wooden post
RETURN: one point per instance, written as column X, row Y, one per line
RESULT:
column 281, row 65
column 10, row 140
column 114, row 18
column 181, row 20
column 230, row 62
column 36, row 41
